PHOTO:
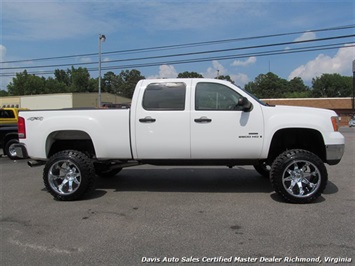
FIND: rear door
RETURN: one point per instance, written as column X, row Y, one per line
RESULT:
column 221, row 130
column 162, row 121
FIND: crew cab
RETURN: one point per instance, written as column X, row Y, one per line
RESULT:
column 184, row 122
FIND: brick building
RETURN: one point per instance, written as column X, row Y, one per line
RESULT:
column 342, row 106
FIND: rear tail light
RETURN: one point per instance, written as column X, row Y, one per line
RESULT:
column 335, row 122
column 21, row 128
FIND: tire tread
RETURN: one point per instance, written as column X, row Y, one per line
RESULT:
column 277, row 171
column 87, row 174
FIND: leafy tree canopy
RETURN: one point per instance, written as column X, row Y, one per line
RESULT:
column 187, row 74
column 3, row 93
column 267, row 85
column 332, row 85
column 127, row 81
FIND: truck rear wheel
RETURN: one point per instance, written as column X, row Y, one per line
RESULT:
column 299, row 176
column 68, row 175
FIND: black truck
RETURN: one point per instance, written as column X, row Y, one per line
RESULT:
column 8, row 138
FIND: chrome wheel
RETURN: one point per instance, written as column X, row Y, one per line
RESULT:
column 69, row 175
column 64, row 177
column 298, row 176
column 301, row 179
column 12, row 151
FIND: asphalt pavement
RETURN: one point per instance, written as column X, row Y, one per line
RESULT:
column 150, row 215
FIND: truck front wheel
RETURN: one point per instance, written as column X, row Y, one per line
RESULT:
column 68, row 175
column 299, row 176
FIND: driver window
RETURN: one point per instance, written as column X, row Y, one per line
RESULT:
column 213, row 96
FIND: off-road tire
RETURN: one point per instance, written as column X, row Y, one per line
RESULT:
column 69, row 175
column 298, row 176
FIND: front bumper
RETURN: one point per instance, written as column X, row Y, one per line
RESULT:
column 21, row 151
column 334, row 153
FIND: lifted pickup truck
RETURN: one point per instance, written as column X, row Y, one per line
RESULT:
column 184, row 122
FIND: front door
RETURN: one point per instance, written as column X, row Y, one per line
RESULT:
column 221, row 130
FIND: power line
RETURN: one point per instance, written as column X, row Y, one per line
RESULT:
column 193, row 54
column 189, row 54
column 186, row 45
column 343, row 45
column 260, row 54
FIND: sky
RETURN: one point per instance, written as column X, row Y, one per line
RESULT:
column 238, row 38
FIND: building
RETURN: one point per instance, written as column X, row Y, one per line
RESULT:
column 342, row 106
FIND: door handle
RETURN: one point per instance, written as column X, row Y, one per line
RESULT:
column 203, row 119
column 147, row 119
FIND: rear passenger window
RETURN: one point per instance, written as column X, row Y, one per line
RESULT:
column 169, row 96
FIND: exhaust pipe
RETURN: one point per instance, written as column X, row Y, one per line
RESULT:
column 35, row 163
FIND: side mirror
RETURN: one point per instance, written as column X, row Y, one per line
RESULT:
column 244, row 103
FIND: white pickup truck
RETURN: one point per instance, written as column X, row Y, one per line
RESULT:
column 184, row 122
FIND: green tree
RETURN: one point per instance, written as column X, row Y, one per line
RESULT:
column 332, row 85
column 62, row 76
column 3, row 93
column 25, row 84
column 94, row 85
column 17, row 86
column 228, row 78
column 187, row 74
column 126, row 81
column 297, row 89
column 54, row 86
column 267, row 86
column 79, row 80
column 108, row 82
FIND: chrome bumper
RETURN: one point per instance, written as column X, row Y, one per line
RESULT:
column 334, row 153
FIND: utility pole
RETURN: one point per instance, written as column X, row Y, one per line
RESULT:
column 102, row 38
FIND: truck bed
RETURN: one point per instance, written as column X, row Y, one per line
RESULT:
column 108, row 129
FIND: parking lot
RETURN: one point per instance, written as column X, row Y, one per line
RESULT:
column 177, row 215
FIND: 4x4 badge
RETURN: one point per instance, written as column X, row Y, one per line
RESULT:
column 33, row 118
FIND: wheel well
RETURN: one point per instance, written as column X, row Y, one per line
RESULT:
column 297, row 138
column 70, row 140
column 10, row 136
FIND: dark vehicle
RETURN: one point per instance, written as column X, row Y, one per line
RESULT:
column 8, row 130
column 8, row 139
